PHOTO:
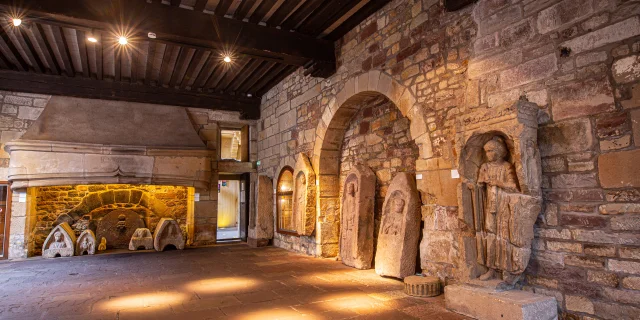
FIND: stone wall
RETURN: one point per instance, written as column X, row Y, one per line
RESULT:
column 378, row 137
column 151, row 203
column 578, row 60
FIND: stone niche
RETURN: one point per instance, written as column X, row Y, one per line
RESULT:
column 110, row 211
column 304, row 196
column 517, row 126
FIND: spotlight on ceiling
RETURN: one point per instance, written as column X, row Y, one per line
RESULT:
column 227, row 59
column 92, row 39
column 16, row 21
column 122, row 40
column 249, row 95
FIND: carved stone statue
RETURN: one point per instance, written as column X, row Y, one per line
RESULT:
column 356, row 228
column 86, row 243
column 60, row 242
column 500, row 241
column 400, row 229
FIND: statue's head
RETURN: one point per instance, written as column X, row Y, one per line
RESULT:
column 57, row 236
column 398, row 205
column 495, row 149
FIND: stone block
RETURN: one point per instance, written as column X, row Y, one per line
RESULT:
column 262, row 223
column 488, row 304
column 579, row 304
column 439, row 186
column 565, row 137
column 624, row 266
column 530, row 71
column 574, row 180
column 610, row 34
column 581, row 99
column 562, row 14
column 626, row 69
column 494, row 63
column 141, row 238
column 86, row 243
column 619, row 169
column 357, row 218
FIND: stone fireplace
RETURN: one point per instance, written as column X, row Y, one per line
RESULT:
column 107, row 166
column 112, row 211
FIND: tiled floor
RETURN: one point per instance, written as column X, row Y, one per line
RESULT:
column 220, row 282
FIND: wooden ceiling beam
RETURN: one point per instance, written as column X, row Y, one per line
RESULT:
column 223, row 7
column 62, row 50
column 282, row 12
column 12, row 52
column 306, row 9
column 249, row 108
column 370, row 8
column 260, row 73
column 262, row 10
column 44, row 47
column 200, row 5
column 243, row 9
column 82, row 47
column 184, row 27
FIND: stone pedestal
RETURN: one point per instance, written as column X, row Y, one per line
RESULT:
column 419, row 286
column 486, row 303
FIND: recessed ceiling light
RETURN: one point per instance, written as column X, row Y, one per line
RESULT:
column 249, row 95
column 92, row 39
column 227, row 59
column 17, row 22
column 122, row 40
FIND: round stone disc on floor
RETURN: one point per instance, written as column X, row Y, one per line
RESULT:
column 419, row 286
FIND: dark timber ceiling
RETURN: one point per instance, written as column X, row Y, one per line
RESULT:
column 267, row 40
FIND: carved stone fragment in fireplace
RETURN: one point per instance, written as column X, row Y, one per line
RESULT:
column 141, row 238
column 86, row 243
column 168, row 233
column 118, row 227
column 60, row 242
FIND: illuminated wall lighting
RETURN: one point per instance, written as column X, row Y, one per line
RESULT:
column 227, row 59
column 122, row 40
column 17, row 22
column 92, row 39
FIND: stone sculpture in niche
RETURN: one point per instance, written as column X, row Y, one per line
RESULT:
column 141, row 238
column 167, row 233
column 304, row 196
column 86, row 243
column 118, row 226
column 356, row 227
column 498, row 240
column 400, row 229
column 60, row 242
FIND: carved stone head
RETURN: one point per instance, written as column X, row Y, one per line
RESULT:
column 57, row 236
column 398, row 205
column 495, row 149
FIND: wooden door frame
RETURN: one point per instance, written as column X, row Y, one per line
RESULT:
column 7, row 222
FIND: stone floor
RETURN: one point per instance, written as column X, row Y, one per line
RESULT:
column 221, row 282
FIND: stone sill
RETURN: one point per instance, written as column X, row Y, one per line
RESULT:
column 72, row 147
column 236, row 167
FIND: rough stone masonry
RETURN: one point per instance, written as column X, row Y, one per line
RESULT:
column 578, row 60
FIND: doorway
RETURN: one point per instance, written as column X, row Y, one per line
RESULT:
column 5, row 218
column 233, row 213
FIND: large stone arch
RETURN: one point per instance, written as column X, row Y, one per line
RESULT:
column 330, row 133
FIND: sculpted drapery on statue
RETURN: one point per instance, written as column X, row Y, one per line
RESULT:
column 502, row 246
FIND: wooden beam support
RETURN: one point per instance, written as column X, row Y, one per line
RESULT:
column 360, row 15
column 183, row 26
column 200, row 5
column 249, row 108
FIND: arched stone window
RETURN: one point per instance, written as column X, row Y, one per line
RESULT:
column 284, row 202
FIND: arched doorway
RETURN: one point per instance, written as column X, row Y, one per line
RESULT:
column 330, row 135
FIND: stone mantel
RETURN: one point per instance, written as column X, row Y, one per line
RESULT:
column 37, row 163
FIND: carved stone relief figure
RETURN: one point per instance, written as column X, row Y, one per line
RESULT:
column 60, row 242
column 304, row 196
column 502, row 216
column 118, row 226
column 356, row 232
column 400, row 229
column 261, row 226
